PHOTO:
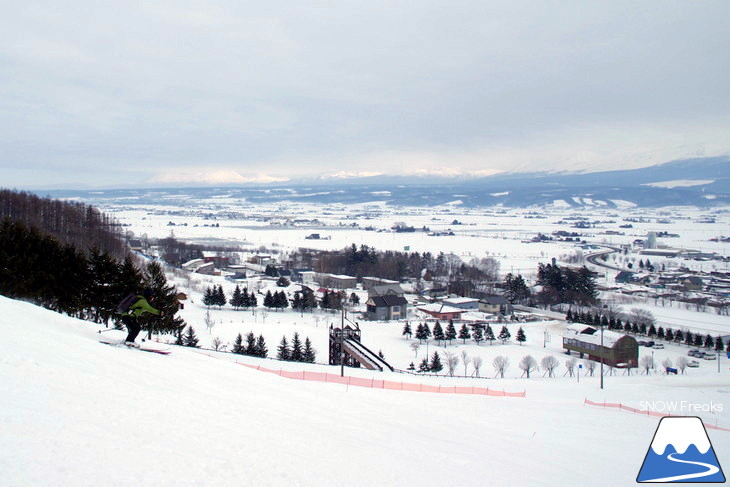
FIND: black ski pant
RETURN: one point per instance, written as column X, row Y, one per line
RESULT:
column 132, row 326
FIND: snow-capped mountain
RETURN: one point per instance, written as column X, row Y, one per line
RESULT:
column 693, row 182
column 681, row 433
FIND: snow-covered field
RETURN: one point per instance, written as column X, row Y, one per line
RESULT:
column 502, row 233
column 75, row 412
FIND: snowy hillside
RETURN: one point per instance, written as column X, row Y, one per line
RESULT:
column 75, row 412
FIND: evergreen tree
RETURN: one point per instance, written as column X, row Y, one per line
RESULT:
column 424, row 366
column 438, row 332
column 411, row 367
column 271, row 270
column 245, row 298
column 450, row 331
column 190, row 339
column 269, row 300
column 237, row 298
column 282, row 282
column 407, row 330
column 250, row 344
column 477, row 334
column 504, row 334
column 698, row 340
column 489, row 334
column 282, row 351
column 179, row 340
column 569, row 315
column 261, row 350
column 309, row 354
column 354, row 299
column 709, row 341
column 220, row 297
column 297, row 302
column 652, row 330
column 238, row 345
column 669, row 335
column 165, row 300
column 521, row 336
column 436, row 366
column 660, row 333
column 252, row 301
column 678, row 336
column 423, row 332
column 627, row 327
column 464, row 333
column 324, row 303
column 309, row 300
column 689, row 338
column 282, row 302
column 297, row 354
column 103, row 291
column 719, row 345
column 208, row 297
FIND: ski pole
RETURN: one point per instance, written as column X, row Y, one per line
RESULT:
column 104, row 331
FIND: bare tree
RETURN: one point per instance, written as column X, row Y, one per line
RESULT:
column 550, row 363
column 217, row 344
column 590, row 366
column 208, row 320
column 452, row 361
column 667, row 364
column 500, row 364
column 415, row 346
column 527, row 365
column 682, row 364
column 476, row 362
column 570, row 366
column 646, row 363
column 642, row 317
column 465, row 359
column 613, row 311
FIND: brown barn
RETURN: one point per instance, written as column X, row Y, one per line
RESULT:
column 618, row 350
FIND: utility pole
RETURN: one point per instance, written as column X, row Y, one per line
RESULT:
column 342, row 343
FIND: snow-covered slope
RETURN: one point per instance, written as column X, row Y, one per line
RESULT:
column 75, row 412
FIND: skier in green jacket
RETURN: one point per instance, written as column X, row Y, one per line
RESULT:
column 137, row 309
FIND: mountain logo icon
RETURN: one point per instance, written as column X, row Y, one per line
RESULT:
column 681, row 452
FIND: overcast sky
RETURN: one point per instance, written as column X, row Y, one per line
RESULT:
column 127, row 93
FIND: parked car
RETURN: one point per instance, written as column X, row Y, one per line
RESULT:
column 649, row 344
column 710, row 356
column 659, row 346
column 693, row 352
column 700, row 354
column 693, row 363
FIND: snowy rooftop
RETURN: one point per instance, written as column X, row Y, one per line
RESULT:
column 609, row 337
column 439, row 308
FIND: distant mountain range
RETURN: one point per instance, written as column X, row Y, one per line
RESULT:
column 703, row 182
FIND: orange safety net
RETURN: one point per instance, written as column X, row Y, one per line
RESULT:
column 385, row 384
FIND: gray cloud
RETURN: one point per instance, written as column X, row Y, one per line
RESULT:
column 94, row 92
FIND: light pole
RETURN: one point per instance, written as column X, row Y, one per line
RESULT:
column 602, row 350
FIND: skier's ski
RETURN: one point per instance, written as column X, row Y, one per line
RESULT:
column 144, row 347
